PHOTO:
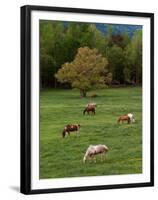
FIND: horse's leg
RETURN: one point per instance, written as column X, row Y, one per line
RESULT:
column 65, row 133
column 84, row 111
column 90, row 158
column 101, row 157
column 78, row 132
column 104, row 154
column 94, row 159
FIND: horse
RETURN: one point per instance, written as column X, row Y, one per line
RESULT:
column 95, row 150
column 124, row 118
column 89, row 109
column 131, row 116
column 70, row 128
column 91, row 104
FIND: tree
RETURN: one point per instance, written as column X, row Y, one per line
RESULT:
column 88, row 70
column 98, row 39
column 137, row 55
column 133, row 59
column 46, row 60
column 115, row 57
column 51, row 50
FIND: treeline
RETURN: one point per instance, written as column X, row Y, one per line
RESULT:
column 60, row 41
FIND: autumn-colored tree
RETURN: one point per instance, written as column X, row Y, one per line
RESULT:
column 59, row 43
column 88, row 70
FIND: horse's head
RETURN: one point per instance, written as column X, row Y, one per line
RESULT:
column 106, row 148
column 133, row 120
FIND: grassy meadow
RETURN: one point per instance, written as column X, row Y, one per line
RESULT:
column 63, row 157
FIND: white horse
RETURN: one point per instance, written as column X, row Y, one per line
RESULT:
column 131, row 116
column 95, row 150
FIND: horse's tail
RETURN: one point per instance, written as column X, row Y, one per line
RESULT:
column 63, row 133
column 84, row 111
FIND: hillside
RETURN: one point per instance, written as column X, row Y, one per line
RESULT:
column 118, row 28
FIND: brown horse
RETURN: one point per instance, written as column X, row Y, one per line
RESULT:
column 124, row 118
column 70, row 128
column 89, row 109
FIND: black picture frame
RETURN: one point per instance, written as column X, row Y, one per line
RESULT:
column 25, row 182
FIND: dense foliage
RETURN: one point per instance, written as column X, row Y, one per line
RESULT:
column 88, row 70
column 60, row 42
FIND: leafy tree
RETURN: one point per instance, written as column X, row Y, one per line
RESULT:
column 88, row 70
column 115, row 57
column 121, row 40
column 133, row 59
column 126, row 39
column 136, row 44
column 109, row 32
column 99, row 41
column 46, row 60
column 51, row 50
column 60, row 41
column 80, row 35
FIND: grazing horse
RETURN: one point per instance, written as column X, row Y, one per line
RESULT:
column 95, row 150
column 91, row 104
column 124, row 118
column 131, row 116
column 70, row 128
column 89, row 109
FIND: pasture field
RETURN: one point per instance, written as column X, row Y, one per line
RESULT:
column 63, row 157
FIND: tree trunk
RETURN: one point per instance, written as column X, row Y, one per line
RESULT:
column 82, row 93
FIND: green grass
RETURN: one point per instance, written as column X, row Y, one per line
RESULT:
column 63, row 157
